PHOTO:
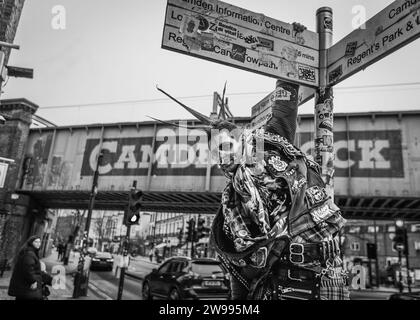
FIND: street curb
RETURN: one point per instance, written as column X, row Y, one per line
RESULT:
column 98, row 291
column 146, row 261
column 134, row 276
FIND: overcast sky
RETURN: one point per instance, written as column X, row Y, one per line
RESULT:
column 110, row 51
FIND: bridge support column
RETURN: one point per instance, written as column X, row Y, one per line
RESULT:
column 15, row 219
column 20, row 219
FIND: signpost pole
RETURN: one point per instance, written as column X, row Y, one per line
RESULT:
column 324, row 139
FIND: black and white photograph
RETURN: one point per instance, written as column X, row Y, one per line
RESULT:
column 224, row 153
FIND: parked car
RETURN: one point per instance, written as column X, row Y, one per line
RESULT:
column 102, row 260
column 405, row 296
column 181, row 278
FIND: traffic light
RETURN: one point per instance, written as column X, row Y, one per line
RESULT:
column 371, row 251
column 132, row 215
column 180, row 234
column 400, row 238
column 200, row 228
column 194, row 237
column 190, row 230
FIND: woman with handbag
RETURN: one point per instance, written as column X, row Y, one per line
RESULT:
column 28, row 280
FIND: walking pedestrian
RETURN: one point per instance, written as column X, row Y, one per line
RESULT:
column 60, row 251
column 27, row 279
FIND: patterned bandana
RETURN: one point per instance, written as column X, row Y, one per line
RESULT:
column 254, row 204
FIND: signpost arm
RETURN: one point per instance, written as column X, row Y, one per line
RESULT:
column 324, row 139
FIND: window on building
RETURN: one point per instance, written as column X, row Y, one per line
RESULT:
column 355, row 246
column 391, row 228
column 417, row 245
column 371, row 229
column 415, row 228
column 354, row 229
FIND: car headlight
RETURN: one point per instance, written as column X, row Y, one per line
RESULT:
column 110, row 260
column 95, row 259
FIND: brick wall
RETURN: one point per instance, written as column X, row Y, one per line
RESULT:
column 11, row 11
column 16, row 223
column 15, row 226
column 13, row 138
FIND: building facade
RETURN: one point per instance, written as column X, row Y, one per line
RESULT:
column 170, row 230
column 358, row 234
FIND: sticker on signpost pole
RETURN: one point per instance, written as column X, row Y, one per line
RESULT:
column 3, row 172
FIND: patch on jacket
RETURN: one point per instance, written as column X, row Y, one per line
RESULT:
column 298, row 184
column 316, row 195
column 259, row 258
column 277, row 164
column 322, row 213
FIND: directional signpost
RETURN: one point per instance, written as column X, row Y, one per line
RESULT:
column 229, row 35
column 392, row 28
column 261, row 112
column 226, row 34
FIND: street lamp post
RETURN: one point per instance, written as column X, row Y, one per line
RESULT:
column 407, row 259
column 376, row 255
column 81, row 265
column 155, row 227
column 401, row 244
column 400, row 279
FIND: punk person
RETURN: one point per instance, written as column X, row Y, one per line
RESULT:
column 276, row 231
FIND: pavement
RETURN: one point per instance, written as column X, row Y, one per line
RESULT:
column 102, row 285
column 62, row 288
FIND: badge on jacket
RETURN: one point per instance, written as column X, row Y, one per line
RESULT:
column 322, row 213
column 315, row 195
column 277, row 164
